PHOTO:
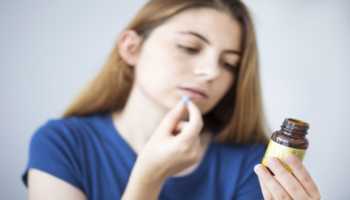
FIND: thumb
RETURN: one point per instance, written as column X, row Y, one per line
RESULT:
column 174, row 116
column 195, row 123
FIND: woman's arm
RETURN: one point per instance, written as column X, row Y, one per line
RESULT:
column 176, row 145
column 43, row 186
column 143, row 186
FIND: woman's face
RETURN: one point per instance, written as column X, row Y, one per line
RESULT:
column 196, row 50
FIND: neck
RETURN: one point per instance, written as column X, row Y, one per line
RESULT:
column 139, row 118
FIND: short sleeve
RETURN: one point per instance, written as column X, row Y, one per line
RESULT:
column 53, row 149
column 248, row 185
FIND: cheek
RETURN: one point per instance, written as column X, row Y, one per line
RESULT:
column 158, row 73
column 224, row 84
column 160, row 70
column 167, row 70
column 164, row 59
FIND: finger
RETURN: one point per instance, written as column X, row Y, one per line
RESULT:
column 271, row 183
column 174, row 116
column 287, row 180
column 205, row 139
column 180, row 125
column 195, row 123
column 303, row 176
column 266, row 193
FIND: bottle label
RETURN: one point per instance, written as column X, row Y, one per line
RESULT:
column 281, row 152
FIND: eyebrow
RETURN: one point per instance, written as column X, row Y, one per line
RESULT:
column 204, row 39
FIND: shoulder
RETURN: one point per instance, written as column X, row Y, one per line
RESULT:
column 67, row 132
column 56, row 129
column 55, row 148
column 68, row 127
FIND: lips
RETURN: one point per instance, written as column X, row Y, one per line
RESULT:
column 195, row 92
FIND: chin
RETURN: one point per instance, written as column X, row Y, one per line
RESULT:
column 205, row 111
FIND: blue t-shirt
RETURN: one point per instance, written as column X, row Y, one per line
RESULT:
column 89, row 153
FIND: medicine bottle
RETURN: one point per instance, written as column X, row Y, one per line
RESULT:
column 290, row 139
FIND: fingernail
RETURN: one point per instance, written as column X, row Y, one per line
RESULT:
column 256, row 168
column 185, row 99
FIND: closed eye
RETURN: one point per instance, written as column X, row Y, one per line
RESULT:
column 231, row 67
column 189, row 50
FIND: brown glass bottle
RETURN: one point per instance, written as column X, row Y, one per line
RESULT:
column 290, row 139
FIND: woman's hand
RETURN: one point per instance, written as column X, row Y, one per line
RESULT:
column 297, row 184
column 175, row 145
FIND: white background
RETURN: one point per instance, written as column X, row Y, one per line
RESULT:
column 50, row 49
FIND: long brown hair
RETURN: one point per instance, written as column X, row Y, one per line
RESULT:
column 237, row 118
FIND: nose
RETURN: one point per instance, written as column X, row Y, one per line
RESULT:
column 208, row 68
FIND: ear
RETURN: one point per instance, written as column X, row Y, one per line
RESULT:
column 129, row 46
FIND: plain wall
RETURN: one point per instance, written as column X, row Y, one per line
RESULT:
column 50, row 49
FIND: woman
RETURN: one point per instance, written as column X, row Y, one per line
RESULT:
column 129, row 136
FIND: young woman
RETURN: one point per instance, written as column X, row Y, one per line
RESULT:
column 130, row 136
